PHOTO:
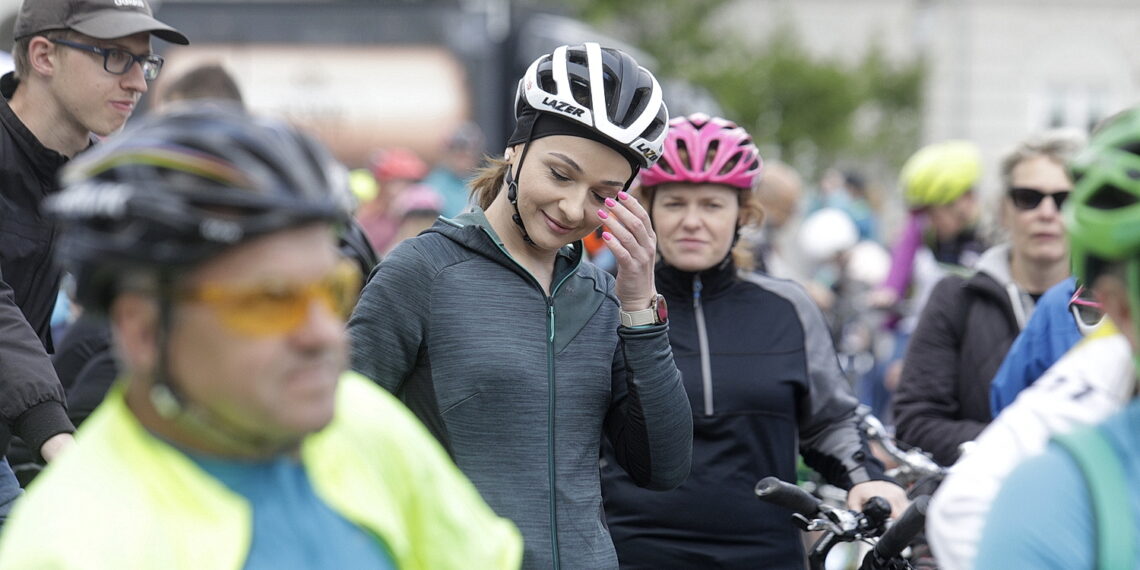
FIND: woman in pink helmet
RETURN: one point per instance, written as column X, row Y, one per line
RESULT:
column 758, row 366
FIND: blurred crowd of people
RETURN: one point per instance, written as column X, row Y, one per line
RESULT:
column 579, row 348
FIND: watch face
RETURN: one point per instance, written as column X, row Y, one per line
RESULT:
column 662, row 309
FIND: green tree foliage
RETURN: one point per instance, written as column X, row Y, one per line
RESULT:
column 814, row 111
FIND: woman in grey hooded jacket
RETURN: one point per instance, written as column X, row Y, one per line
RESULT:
column 518, row 354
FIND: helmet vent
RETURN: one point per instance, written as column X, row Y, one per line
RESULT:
column 546, row 82
column 656, row 127
column 683, row 152
column 580, row 90
column 728, row 166
column 636, row 108
column 1111, row 198
column 710, row 156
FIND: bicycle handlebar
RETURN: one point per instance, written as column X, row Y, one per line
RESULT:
column 914, row 464
column 898, row 536
column 843, row 525
column 787, row 495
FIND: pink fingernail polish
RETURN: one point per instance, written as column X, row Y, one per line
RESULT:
column 602, row 214
column 623, row 195
column 610, row 202
column 607, row 236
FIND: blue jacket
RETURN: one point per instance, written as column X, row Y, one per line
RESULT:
column 1042, row 518
column 1049, row 334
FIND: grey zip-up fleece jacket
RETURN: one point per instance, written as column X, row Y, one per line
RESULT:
column 521, row 387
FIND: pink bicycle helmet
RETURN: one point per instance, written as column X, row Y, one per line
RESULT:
column 418, row 199
column 702, row 149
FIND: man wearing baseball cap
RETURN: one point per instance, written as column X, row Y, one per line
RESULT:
column 80, row 68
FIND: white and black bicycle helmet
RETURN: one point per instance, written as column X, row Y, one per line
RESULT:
column 605, row 90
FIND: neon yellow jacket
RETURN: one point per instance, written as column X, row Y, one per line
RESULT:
column 123, row 498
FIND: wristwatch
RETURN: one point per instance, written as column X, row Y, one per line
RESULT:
column 656, row 314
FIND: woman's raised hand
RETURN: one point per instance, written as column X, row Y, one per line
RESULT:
column 629, row 236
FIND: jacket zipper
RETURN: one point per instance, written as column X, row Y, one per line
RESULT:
column 550, row 463
column 703, row 340
column 550, row 443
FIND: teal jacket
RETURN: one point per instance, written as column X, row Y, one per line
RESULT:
column 521, row 387
column 123, row 498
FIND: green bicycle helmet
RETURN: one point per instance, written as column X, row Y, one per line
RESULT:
column 940, row 173
column 1102, row 216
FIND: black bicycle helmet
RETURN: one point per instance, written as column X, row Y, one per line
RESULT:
column 602, row 88
column 180, row 187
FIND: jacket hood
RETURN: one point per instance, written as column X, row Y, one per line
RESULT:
column 473, row 231
column 994, row 264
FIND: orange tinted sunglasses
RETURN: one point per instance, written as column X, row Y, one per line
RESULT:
column 278, row 308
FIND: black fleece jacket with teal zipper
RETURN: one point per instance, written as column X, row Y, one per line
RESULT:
column 521, row 387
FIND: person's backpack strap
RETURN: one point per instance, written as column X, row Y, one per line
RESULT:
column 1107, row 486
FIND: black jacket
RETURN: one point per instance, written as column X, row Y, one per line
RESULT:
column 31, row 398
column 774, row 388
column 963, row 334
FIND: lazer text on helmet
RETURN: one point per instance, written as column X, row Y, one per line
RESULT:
column 563, row 107
column 646, row 151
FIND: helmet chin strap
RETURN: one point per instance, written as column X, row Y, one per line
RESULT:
column 197, row 420
column 513, row 197
column 513, row 185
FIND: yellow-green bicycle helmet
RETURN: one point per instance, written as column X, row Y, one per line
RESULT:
column 940, row 173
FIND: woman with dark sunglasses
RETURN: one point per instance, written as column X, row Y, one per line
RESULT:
column 1093, row 380
column 969, row 323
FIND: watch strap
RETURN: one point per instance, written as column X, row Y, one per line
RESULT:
column 654, row 315
column 639, row 318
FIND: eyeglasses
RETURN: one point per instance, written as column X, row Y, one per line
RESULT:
column 1029, row 198
column 277, row 308
column 117, row 61
column 1087, row 313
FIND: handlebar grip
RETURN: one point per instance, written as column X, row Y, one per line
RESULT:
column 895, row 539
column 876, row 511
column 787, row 495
